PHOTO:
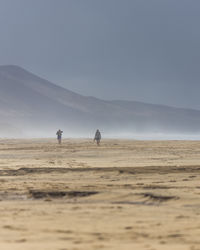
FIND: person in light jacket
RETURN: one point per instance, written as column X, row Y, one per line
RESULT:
column 97, row 137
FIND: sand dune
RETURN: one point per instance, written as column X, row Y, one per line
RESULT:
column 124, row 194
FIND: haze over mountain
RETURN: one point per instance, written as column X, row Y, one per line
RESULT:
column 32, row 106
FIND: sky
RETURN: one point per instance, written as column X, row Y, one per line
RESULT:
column 143, row 50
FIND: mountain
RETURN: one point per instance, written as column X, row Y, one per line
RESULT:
column 32, row 106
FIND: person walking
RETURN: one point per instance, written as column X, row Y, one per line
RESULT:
column 97, row 137
column 59, row 136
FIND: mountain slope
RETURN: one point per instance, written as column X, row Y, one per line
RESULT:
column 35, row 106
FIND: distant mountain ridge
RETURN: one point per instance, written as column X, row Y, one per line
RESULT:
column 31, row 105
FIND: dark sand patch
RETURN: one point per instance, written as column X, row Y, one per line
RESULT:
column 39, row 194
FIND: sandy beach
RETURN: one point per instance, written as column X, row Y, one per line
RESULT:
column 125, row 194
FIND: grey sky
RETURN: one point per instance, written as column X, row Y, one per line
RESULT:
column 146, row 50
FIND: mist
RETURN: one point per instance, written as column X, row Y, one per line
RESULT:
column 49, row 131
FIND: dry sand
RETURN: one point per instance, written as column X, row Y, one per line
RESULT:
column 121, row 195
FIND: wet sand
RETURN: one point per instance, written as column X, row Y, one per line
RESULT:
column 121, row 195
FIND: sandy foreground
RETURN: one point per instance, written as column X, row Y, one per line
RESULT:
column 121, row 195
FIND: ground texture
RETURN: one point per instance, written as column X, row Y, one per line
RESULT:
column 121, row 195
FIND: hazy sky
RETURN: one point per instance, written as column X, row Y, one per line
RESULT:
column 146, row 50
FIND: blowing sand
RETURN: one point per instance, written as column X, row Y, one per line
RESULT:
column 121, row 195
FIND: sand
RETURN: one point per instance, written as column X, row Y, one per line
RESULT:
column 124, row 194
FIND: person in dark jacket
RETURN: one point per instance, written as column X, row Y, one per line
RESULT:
column 97, row 137
column 59, row 135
